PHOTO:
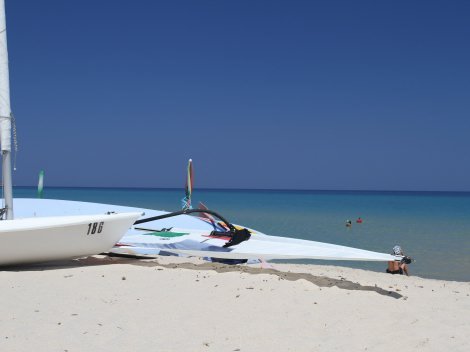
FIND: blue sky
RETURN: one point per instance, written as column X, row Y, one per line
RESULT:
column 371, row 95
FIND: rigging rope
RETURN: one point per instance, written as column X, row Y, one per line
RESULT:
column 15, row 140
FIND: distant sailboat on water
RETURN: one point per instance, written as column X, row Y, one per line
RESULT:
column 41, row 184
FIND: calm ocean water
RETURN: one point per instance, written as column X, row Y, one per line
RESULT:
column 433, row 228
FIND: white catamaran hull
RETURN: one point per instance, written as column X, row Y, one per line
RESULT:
column 40, row 239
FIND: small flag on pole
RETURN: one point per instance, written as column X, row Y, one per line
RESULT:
column 40, row 183
column 186, row 201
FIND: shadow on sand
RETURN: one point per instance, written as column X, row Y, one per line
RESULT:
column 320, row 281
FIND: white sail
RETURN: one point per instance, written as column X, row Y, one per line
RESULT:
column 5, row 110
column 195, row 236
column 5, row 115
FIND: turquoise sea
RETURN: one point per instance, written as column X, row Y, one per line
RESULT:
column 432, row 227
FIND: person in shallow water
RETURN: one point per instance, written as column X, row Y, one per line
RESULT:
column 359, row 220
column 348, row 223
column 398, row 267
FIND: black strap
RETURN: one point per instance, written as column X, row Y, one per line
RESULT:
column 236, row 236
column 185, row 212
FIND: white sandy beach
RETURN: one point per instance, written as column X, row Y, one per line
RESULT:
column 176, row 304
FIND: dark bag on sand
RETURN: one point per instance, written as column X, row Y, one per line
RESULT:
column 406, row 260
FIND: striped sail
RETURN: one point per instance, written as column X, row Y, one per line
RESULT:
column 186, row 202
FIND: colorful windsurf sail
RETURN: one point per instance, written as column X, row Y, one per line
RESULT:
column 186, row 201
column 202, row 206
column 209, row 218
column 41, row 183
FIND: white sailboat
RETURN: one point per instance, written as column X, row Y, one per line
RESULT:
column 54, row 229
column 25, row 240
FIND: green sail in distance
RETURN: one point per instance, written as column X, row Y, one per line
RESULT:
column 41, row 183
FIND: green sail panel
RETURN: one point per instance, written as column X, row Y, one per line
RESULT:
column 41, row 183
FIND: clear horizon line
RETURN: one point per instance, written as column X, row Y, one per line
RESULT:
column 256, row 189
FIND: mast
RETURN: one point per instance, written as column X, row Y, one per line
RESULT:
column 5, row 116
